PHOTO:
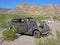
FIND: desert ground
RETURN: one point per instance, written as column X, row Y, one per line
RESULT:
column 30, row 40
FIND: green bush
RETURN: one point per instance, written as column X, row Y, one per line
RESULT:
column 9, row 34
column 55, row 17
column 48, row 41
column 58, row 34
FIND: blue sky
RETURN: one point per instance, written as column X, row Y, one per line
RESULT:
column 13, row 3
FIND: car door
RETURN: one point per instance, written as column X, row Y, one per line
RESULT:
column 31, row 23
column 22, row 27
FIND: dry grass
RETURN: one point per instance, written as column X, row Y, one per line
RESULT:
column 49, row 40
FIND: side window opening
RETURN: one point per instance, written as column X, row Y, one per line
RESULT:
column 21, row 20
column 14, row 20
column 29, row 19
column 18, row 20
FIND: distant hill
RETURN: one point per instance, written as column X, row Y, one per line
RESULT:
column 31, row 9
column 3, row 10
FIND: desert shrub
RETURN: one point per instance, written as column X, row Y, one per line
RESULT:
column 55, row 17
column 6, row 18
column 51, row 41
column 58, row 34
column 48, row 41
column 9, row 34
column 38, row 18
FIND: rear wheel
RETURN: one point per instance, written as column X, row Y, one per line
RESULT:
column 36, row 34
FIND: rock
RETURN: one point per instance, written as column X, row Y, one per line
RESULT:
column 22, row 40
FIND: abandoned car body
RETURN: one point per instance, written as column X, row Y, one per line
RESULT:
column 29, row 26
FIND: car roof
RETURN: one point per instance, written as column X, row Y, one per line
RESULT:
column 17, row 18
column 22, row 18
column 29, row 17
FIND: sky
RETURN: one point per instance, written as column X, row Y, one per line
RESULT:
column 13, row 3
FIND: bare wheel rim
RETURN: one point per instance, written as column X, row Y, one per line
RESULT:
column 36, row 34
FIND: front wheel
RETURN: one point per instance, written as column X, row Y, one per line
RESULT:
column 36, row 34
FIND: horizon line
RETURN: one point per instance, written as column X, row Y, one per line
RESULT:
column 29, row 4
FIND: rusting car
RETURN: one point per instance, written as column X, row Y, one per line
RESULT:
column 28, row 25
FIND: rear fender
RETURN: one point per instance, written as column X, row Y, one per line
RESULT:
column 30, row 31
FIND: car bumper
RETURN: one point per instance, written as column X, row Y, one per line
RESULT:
column 47, row 33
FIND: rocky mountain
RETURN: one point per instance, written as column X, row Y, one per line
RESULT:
column 31, row 9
